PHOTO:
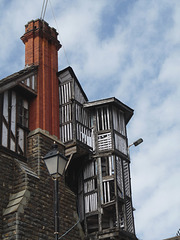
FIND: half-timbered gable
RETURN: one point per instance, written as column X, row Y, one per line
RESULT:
column 15, row 92
column 74, row 119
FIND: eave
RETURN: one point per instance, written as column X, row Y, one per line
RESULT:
column 16, row 80
column 112, row 101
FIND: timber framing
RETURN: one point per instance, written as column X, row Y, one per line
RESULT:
column 101, row 175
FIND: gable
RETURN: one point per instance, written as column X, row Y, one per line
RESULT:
column 71, row 86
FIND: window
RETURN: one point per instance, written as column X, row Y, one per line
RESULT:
column 103, row 119
column 108, row 190
column 90, row 187
column 22, row 111
column 107, row 166
column 118, row 121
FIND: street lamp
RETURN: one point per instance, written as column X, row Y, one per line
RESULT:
column 55, row 163
column 136, row 143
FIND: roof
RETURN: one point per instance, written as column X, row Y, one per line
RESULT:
column 112, row 101
column 16, row 78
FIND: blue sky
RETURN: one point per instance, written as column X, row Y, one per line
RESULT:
column 129, row 49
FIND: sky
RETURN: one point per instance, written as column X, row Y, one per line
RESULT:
column 128, row 49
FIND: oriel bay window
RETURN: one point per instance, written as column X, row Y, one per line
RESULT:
column 104, row 191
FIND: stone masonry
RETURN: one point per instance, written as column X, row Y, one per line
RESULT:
column 27, row 196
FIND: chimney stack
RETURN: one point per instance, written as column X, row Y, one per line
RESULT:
column 41, row 48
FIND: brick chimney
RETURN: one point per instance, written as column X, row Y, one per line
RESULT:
column 41, row 48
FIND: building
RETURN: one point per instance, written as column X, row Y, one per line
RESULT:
column 40, row 105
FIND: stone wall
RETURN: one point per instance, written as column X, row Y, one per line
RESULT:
column 6, row 182
column 27, row 191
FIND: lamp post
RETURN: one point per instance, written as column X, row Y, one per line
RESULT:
column 136, row 143
column 55, row 163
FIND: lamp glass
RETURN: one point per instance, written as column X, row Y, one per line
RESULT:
column 61, row 165
column 55, row 162
column 51, row 164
